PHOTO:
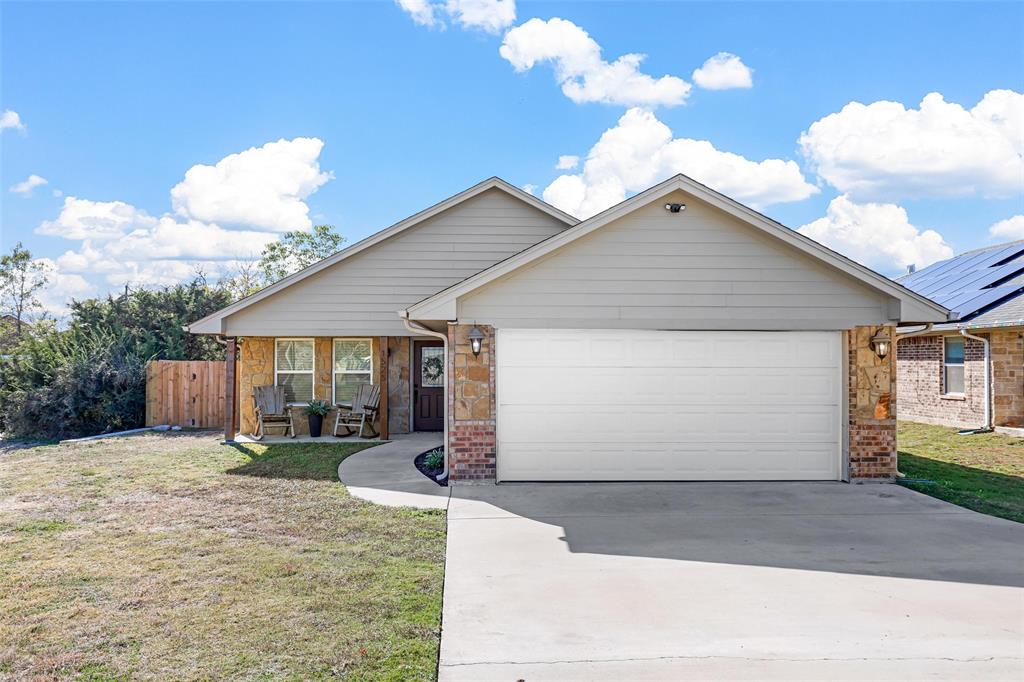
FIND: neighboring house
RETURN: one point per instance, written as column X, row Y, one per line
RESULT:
column 968, row 373
column 676, row 336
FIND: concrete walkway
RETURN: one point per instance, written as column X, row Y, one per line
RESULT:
column 386, row 474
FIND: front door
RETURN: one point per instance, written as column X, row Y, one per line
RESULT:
column 428, row 386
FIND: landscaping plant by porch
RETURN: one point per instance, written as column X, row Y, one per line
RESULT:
column 316, row 410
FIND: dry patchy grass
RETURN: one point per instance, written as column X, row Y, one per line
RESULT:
column 174, row 557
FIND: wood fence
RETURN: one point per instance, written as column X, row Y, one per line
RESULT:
column 187, row 393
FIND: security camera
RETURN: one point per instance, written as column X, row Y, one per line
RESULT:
column 675, row 208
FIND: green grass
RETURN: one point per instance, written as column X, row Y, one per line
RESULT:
column 173, row 557
column 983, row 472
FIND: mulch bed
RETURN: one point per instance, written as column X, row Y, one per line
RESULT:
column 429, row 473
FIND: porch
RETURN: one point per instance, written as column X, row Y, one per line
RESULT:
column 409, row 371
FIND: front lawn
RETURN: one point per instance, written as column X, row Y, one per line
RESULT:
column 983, row 472
column 174, row 557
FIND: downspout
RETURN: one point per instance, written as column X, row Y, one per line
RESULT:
column 988, row 380
column 417, row 328
column 923, row 330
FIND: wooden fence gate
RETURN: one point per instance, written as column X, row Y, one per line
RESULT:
column 187, row 393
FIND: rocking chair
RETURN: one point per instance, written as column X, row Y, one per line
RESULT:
column 271, row 411
column 360, row 414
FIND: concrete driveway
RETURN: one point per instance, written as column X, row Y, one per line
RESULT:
column 727, row 581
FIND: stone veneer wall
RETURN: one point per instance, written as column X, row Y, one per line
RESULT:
column 399, row 383
column 256, row 368
column 872, row 407
column 471, row 406
column 1007, row 376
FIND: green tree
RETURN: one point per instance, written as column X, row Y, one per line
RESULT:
column 21, row 278
column 298, row 250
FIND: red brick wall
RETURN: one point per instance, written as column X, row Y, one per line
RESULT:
column 471, row 408
column 919, row 372
column 872, row 407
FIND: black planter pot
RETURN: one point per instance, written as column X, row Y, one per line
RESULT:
column 316, row 425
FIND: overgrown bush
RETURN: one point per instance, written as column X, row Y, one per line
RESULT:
column 79, row 384
column 90, row 377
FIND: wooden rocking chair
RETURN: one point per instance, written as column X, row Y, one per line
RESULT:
column 271, row 411
column 362, row 412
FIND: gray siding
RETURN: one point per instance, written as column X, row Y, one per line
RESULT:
column 360, row 295
column 701, row 269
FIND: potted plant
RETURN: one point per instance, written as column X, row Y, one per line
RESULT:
column 316, row 410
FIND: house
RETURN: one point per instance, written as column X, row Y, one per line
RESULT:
column 678, row 335
column 968, row 373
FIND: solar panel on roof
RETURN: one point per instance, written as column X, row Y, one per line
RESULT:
column 971, row 282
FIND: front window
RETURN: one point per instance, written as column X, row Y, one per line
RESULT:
column 953, row 366
column 293, row 368
column 353, row 367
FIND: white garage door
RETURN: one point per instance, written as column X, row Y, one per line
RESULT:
column 590, row 405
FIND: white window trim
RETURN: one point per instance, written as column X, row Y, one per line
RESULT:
column 311, row 372
column 945, row 383
column 335, row 372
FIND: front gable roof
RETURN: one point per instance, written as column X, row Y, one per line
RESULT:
column 913, row 306
column 214, row 323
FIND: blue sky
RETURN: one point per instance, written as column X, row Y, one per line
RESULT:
column 118, row 101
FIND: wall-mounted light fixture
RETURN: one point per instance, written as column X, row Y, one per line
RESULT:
column 880, row 343
column 476, row 339
column 675, row 208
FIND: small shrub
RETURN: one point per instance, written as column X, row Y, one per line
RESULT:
column 434, row 459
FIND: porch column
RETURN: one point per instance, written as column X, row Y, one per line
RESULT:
column 230, row 391
column 383, row 364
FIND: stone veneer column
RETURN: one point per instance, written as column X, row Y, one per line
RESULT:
column 471, row 408
column 872, row 407
column 255, row 368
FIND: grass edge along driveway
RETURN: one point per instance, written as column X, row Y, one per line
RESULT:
column 983, row 472
column 172, row 556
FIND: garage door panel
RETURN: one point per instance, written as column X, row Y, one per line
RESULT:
column 632, row 405
column 666, row 386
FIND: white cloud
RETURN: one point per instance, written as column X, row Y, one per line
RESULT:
column 640, row 151
column 95, row 220
column 61, row 288
column 941, row 149
column 11, row 119
column 261, row 187
column 57, row 193
column 723, row 72
column 1010, row 228
column 567, row 162
column 879, row 236
column 27, row 186
column 492, row 16
column 422, row 12
column 530, row 189
column 580, row 70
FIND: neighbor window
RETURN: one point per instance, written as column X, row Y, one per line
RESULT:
column 353, row 367
column 293, row 368
column 953, row 365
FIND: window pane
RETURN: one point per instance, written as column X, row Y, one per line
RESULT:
column 345, row 385
column 352, row 355
column 295, row 356
column 431, row 366
column 297, row 387
column 954, row 378
column 954, row 351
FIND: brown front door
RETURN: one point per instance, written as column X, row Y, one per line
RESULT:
column 428, row 386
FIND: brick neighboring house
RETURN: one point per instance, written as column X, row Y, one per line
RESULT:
column 943, row 374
